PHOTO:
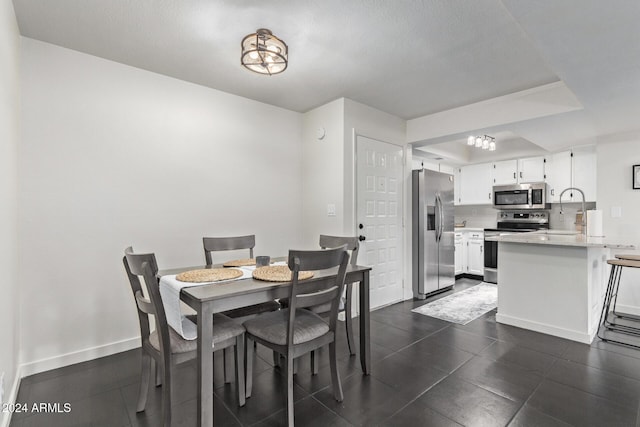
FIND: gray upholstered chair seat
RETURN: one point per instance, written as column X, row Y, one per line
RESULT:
column 223, row 329
column 272, row 327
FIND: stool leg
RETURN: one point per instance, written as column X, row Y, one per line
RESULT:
column 607, row 301
column 612, row 295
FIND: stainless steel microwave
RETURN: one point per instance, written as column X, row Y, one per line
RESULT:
column 521, row 196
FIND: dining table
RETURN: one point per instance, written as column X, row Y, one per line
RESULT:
column 210, row 298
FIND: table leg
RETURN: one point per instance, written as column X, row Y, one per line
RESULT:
column 205, row 366
column 365, row 329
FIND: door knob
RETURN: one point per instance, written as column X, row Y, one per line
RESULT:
column 362, row 238
column 360, row 226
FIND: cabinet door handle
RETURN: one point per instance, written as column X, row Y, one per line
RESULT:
column 514, row 175
column 480, row 249
column 520, row 174
column 489, row 196
column 552, row 192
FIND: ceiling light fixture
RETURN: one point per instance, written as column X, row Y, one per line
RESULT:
column 264, row 53
column 485, row 142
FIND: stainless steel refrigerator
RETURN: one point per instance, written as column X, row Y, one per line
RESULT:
column 433, row 234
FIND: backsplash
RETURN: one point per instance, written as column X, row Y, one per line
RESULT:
column 567, row 220
column 477, row 216
column 483, row 216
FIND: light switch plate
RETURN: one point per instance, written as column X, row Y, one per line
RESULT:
column 616, row 211
column 331, row 209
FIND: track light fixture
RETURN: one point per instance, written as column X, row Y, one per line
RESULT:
column 485, row 142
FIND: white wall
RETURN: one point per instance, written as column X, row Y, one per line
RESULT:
column 9, row 136
column 323, row 172
column 329, row 168
column 115, row 156
column 616, row 156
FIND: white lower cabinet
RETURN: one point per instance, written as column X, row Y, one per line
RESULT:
column 475, row 255
column 469, row 247
column 461, row 254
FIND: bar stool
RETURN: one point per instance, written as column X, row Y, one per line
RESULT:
column 611, row 296
column 628, row 257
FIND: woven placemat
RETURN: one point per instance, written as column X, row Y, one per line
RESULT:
column 240, row 262
column 278, row 273
column 209, row 275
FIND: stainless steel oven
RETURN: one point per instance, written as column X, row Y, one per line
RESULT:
column 521, row 196
column 509, row 222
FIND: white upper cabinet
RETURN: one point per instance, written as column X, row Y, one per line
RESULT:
column 519, row 171
column 419, row 163
column 505, row 172
column 447, row 169
column 573, row 168
column 531, row 169
column 559, row 176
column 456, row 186
column 584, row 166
column 476, row 184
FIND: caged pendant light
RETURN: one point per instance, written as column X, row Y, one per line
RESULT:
column 264, row 53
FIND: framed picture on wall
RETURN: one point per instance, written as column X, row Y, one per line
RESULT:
column 636, row 177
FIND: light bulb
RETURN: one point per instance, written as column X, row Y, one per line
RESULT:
column 253, row 54
column 492, row 146
column 485, row 144
column 471, row 140
column 478, row 141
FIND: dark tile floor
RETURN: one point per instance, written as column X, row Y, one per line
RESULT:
column 425, row 372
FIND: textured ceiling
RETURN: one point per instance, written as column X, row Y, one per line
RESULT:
column 407, row 58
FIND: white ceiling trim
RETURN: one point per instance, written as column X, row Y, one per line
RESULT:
column 541, row 101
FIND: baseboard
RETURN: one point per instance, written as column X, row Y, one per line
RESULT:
column 469, row 276
column 72, row 358
column 11, row 398
column 629, row 309
column 545, row 329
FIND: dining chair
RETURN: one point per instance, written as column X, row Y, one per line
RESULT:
column 165, row 346
column 219, row 244
column 353, row 245
column 294, row 331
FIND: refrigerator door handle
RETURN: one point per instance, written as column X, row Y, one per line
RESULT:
column 439, row 216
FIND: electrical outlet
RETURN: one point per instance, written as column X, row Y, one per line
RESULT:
column 331, row 209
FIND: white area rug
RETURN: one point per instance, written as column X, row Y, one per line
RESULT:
column 463, row 307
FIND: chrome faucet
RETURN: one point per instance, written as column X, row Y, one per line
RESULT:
column 584, row 212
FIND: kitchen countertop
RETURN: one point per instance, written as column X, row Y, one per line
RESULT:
column 562, row 238
column 471, row 229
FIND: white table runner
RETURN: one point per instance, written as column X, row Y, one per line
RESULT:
column 170, row 289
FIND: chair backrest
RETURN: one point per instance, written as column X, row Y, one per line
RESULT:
column 215, row 244
column 353, row 245
column 331, row 291
column 145, row 266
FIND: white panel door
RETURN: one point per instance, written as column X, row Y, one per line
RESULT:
column 379, row 171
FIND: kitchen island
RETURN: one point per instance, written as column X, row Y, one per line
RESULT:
column 553, row 281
